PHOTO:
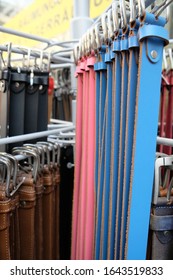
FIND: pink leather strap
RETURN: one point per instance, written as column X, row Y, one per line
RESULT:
column 78, row 152
column 83, row 174
column 90, row 196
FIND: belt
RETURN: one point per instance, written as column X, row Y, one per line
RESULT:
column 78, row 152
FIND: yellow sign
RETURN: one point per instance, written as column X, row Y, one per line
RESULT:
column 97, row 7
column 43, row 18
column 48, row 19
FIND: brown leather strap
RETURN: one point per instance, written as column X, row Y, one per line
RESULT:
column 27, row 196
column 5, row 208
column 48, row 215
column 14, row 229
column 57, row 193
column 39, row 219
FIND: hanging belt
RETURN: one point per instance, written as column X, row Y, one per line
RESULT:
column 101, row 134
column 57, row 207
column 115, row 145
column 78, row 152
column 5, row 209
column 151, row 39
column 3, row 107
column 90, row 195
column 124, row 75
column 106, row 184
column 31, row 108
column 27, row 197
column 130, row 113
column 39, row 218
column 82, row 194
column 42, row 114
column 17, row 104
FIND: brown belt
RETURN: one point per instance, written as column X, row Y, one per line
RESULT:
column 5, row 209
column 39, row 218
column 27, row 197
column 48, row 215
column 14, row 229
column 57, row 193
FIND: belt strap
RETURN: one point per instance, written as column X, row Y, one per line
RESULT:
column 14, row 229
column 31, row 109
column 90, row 195
column 161, row 226
column 130, row 113
column 78, row 152
column 17, row 107
column 115, row 145
column 57, row 208
column 106, row 184
column 39, row 218
column 141, row 190
column 5, row 209
column 124, row 84
column 27, row 196
column 102, row 67
column 48, row 215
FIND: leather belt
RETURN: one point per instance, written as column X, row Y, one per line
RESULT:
column 161, row 225
column 48, row 214
column 78, row 151
column 5, row 209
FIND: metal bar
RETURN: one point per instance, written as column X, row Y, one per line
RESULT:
column 35, row 54
column 61, row 65
column 34, row 135
column 34, row 37
column 165, row 141
column 60, row 121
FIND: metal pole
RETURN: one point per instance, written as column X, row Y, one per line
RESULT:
column 34, row 37
column 165, row 141
column 34, row 135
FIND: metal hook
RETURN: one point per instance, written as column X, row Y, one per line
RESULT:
column 132, row 11
column 27, row 152
column 98, row 36
column 7, row 164
column 123, row 15
column 9, row 50
column 141, row 5
column 51, row 148
column 104, row 25
column 36, row 150
column 165, row 64
column 14, row 173
column 159, row 9
column 110, row 24
column 46, row 150
column 170, row 57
